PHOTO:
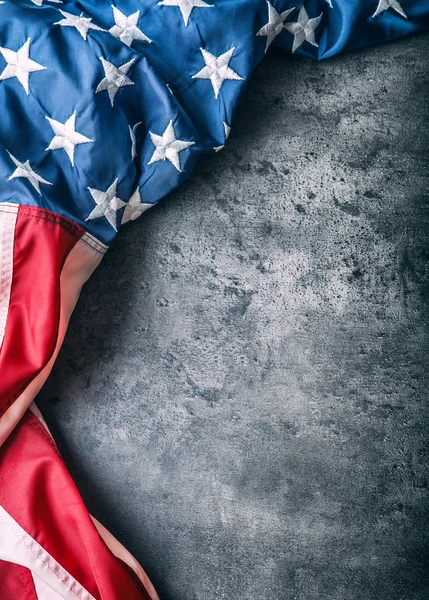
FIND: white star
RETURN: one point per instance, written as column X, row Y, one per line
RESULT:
column 303, row 29
column 186, row 6
column 82, row 24
column 217, row 69
column 24, row 170
column 107, row 204
column 168, row 147
column 227, row 130
column 275, row 24
column 116, row 77
column 125, row 28
column 133, row 131
column 386, row 4
column 40, row 2
column 19, row 64
column 66, row 136
column 134, row 208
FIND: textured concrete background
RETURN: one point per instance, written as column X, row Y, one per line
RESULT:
column 242, row 395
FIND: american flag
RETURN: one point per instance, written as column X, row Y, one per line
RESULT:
column 104, row 109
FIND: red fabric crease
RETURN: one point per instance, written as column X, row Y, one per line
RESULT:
column 37, row 490
column 42, row 243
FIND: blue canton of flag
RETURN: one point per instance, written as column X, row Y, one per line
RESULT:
column 105, row 109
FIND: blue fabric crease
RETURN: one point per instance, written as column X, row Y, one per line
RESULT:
column 164, row 88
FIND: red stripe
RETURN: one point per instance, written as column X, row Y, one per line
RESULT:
column 38, row 492
column 16, row 582
column 43, row 241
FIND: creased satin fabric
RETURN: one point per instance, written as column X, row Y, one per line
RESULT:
column 104, row 111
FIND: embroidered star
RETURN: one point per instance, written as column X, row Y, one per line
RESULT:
column 125, row 28
column 20, row 65
column 275, row 24
column 168, row 147
column 133, row 131
column 82, row 24
column 134, row 208
column 24, row 170
column 116, row 77
column 66, row 136
column 227, row 130
column 303, row 29
column 386, row 4
column 186, row 6
column 107, row 204
column 40, row 2
column 217, row 69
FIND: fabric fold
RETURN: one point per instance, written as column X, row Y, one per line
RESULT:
column 105, row 110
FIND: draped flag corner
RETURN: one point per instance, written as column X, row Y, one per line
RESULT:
column 105, row 109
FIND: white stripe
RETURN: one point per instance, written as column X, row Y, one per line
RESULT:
column 8, row 215
column 17, row 546
column 94, row 242
column 44, row 591
column 9, row 207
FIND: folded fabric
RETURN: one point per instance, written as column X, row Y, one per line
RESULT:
column 104, row 111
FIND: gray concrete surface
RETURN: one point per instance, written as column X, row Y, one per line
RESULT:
column 242, row 396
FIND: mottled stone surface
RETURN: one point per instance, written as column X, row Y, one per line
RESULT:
column 242, row 396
